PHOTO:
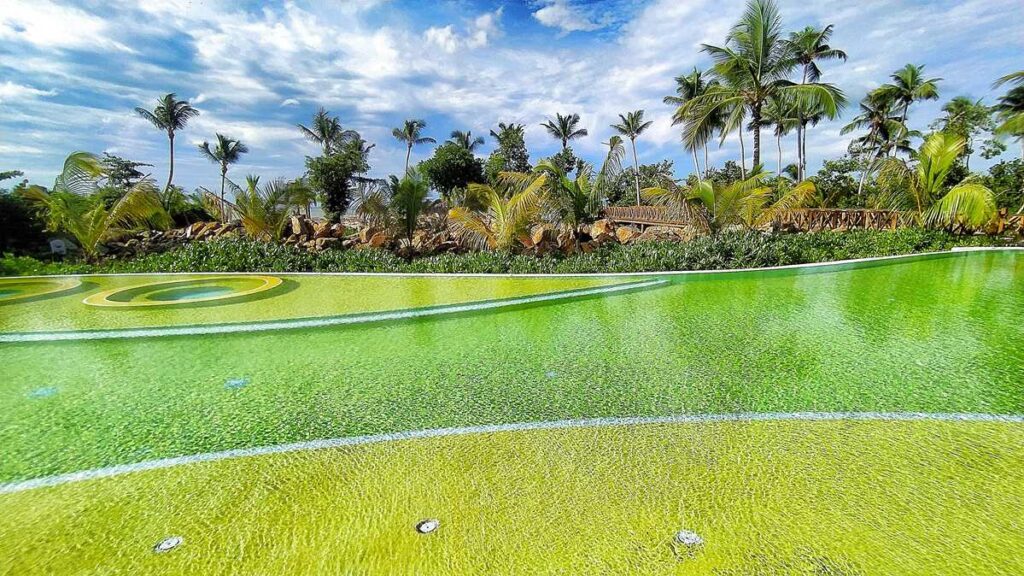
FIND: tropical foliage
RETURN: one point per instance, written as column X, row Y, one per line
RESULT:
column 264, row 210
column 224, row 152
column 564, row 128
column 411, row 134
column 75, row 205
column 169, row 115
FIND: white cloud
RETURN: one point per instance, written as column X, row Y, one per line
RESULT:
column 443, row 37
column 290, row 102
column 47, row 25
column 478, row 34
column 567, row 17
column 9, row 91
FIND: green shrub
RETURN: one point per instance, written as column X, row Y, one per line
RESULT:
column 729, row 250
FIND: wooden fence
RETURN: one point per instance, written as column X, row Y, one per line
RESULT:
column 647, row 216
column 815, row 219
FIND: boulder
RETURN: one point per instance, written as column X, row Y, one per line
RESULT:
column 301, row 226
column 366, row 233
column 544, row 233
column 625, row 234
column 326, row 243
column 603, row 227
column 379, row 240
column 322, row 230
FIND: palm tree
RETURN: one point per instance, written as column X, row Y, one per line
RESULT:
column 77, row 204
column 265, row 210
column 748, row 202
column 809, row 46
column 908, row 86
column 1010, row 108
column 782, row 114
column 631, row 126
column 225, row 152
column 752, row 67
column 507, row 216
column 408, row 200
column 170, row 115
column 688, row 87
column 326, row 131
column 919, row 187
column 466, row 139
column 885, row 131
column 410, row 134
column 564, row 128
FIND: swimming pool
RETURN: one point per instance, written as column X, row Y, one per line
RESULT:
column 860, row 418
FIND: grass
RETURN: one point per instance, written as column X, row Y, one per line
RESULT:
column 767, row 497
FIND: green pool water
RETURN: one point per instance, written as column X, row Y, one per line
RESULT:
column 934, row 335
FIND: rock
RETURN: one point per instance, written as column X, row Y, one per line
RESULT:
column 366, row 233
column 339, row 231
column 325, row 243
column 543, row 233
column 379, row 240
column 588, row 247
column 301, row 226
column 322, row 230
column 601, row 228
column 625, row 234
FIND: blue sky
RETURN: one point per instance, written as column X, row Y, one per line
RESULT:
column 71, row 72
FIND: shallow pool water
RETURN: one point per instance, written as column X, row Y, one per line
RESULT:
column 832, row 361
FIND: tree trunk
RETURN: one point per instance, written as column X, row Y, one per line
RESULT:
column 803, row 153
column 223, row 180
column 705, row 157
column 743, row 156
column 778, row 142
column 408, row 152
column 696, row 164
column 636, row 171
column 170, row 172
column 755, row 121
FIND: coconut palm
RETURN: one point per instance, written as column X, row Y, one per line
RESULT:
column 919, row 187
column 809, row 46
column 169, row 115
column 1010, row 108
column 408, row 200
column 466, row 139
column 748, row 202
column 77, row 204
column 264, row 210
column 782, row 114
column 225, row 152
column 908, row 86
column 508, row 214
column 752, row 67
column 632, row 125
column 564, row 128
column 411, row 134
column 688, row 87
column 326, row 131
column 886, row 131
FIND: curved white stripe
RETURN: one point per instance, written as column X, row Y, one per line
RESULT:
column 118, row 470
column 319, row 322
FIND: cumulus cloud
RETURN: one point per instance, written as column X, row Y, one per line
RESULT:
column 9, row 91
column 567, row 17
column 478, row 34
column 50, row 26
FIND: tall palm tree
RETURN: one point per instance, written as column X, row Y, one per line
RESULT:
column 411, row 134
column 908, row 86
column 885, row 131
column 688, row 87
column 466, row 139
column 920, row 186
column 326, row 131
column 782, row 114
column 809, row 46
column 631, row 125
column 753, row 66
column 225, row 152
column 77, row 204
column 564, row 128
column 169, row 115
column 1010, row 108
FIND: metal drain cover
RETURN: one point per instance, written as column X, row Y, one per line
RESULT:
column 168, row 544
column 428, row 526
column 688, row 538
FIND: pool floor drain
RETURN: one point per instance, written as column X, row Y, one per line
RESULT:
column 428, row 526
column 236, row 383
column 168, row 544
column 688, row 538
column 43, row 392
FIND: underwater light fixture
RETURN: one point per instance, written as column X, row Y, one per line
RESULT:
column 689, row 538
column 428, row 526
column 168, row 544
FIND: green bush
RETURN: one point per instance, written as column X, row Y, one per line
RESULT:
column 729, row 250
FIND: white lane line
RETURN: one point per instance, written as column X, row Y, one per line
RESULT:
column 48, row 481
column 320, row 322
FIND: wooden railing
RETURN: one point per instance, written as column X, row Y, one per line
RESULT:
column 224, row 210
column 648, row 216
column 814, row 219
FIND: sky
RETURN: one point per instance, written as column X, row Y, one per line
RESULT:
column 71, row 73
